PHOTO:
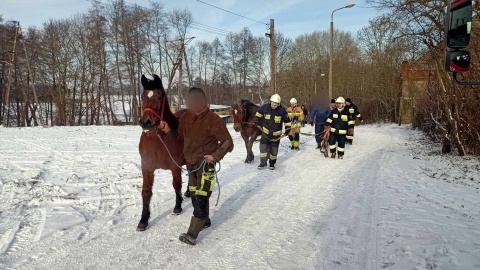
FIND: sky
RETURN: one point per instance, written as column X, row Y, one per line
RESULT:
column 292, row 17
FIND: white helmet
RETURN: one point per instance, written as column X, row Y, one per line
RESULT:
column 340, row 100
column 275, row 98
column 293, row 101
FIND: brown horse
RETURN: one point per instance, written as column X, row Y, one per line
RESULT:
column 157, row 150
column 243, row 115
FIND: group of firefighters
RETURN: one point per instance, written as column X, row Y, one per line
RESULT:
column 207, row 140
column 333, row 125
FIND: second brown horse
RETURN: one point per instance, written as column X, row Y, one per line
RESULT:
column 243, row 114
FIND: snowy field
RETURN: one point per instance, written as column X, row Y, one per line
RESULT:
column 70, row 199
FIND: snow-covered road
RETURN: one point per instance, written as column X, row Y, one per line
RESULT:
column 70, row 199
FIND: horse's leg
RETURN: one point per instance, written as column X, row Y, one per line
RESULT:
column 250, row 155
column 177, row 185
column 245, row 140
column 148, row 178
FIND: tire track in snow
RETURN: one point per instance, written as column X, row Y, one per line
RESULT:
column 351, row 240
column 28, row 230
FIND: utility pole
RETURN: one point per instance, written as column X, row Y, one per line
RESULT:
column 273, row 58
column 181, row 54
column 9, row 76
column 180, row 77
column 36, row 106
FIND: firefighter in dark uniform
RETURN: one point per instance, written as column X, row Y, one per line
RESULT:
column 354, row 116
column 338, row 123
column 274, row 117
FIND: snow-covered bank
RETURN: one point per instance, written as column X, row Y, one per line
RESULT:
column 70, row 199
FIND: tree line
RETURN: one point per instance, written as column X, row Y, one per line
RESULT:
column 86, row 69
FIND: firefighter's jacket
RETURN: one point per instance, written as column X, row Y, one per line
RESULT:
column 339, row 121
column 273, row 120
column 354, row 113
column 296, row 116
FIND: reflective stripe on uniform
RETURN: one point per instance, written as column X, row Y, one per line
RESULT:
column 351, row 122
column 206, row 184
column 288, row 124
column 341, row 149
column 277, row 133
column 344, row 117
column 359, row 115
column 349, row 137
column 333, row 129
column 296, row 143
column 273, row 157
column 351, row 110
column 333, row 146
column 329, row 120
column 192, row 188
column 266, row 131
column 259, row 115
column 263, row 155
column 342, row 132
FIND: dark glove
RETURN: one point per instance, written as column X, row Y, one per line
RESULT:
column 311, row 123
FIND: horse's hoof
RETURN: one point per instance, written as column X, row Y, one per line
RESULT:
column 141, row 227
column 177, row 211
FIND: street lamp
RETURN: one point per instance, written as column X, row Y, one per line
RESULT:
column 330, row 72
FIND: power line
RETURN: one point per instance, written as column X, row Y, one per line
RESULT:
column 210, row 27
column 231, row 12
column 208, row 31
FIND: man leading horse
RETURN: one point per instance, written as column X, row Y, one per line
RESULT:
column 206, row 141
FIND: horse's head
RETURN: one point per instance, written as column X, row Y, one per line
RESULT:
column 154, row 102
column 238, row 115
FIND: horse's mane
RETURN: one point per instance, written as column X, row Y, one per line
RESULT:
column 168, row 116
column 249, row 107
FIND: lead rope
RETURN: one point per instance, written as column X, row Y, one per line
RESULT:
column 201, row 166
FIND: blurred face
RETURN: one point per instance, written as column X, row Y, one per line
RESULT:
column 196, row 102
column 274, row 105
column 339, row 105
column 333, row 105
column 293, row 104
column 347, row 103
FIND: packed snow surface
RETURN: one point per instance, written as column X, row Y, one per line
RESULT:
column 70, row 199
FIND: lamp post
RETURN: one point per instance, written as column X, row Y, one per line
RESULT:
column 330, row 71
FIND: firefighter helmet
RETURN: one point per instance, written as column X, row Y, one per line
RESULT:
column 340, row 100
column 275, row 98
column 293, row 101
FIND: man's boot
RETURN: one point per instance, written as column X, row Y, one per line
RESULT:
column 187, row 193
column 333, row 155
column 207, row 224
column 319, row 146
column 196, row 225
